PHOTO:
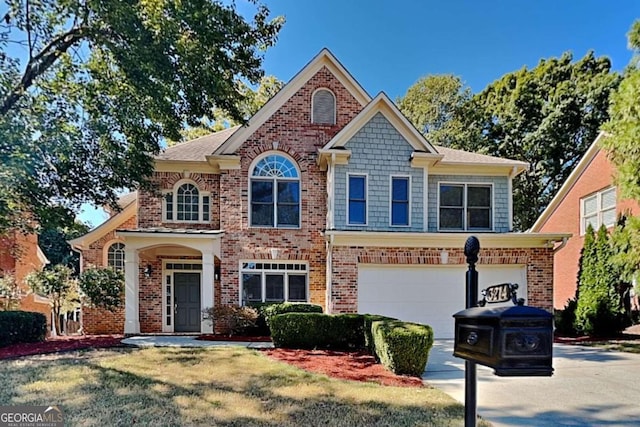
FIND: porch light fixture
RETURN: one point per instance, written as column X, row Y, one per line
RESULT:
column 216, row 272
column 147, row 271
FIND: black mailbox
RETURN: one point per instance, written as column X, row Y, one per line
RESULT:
column 514, row 341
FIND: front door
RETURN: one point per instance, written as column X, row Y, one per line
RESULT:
column 187, row 302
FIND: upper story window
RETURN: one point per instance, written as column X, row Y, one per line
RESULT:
column 186, row 203
column 400, row 200
column 598, row 209
column 323, row 110
column 357, row 196
column 115, row 256
column 275, row 192
column 465, row 207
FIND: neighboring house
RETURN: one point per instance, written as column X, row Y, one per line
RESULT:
column 325, row 196
column 588, row 196
column 19, row 256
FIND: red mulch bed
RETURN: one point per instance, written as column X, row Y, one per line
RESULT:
column 64, row 343
column 355, row 366
column 234, row 338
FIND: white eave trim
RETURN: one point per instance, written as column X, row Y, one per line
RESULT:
column 443, row 240
column 83, row 242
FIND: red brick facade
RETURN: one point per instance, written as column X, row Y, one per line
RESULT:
column 597, row 176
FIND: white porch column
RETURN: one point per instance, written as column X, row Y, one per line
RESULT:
column 131, row 298
column 206, row 289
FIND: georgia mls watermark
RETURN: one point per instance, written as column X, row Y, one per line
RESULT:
column 31, row 416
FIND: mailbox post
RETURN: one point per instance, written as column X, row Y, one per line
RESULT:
column 471, row 249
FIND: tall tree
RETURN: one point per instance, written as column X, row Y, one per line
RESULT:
column 89, row 88
column 253, row 101
column 53, row 242
column 623, row 142
column 547, row 116
column 433, row 104
column 58, row 285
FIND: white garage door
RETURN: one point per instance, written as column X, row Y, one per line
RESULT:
column 427, row 294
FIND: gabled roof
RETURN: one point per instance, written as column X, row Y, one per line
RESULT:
column 381, row 104
column 197, row 149
column 111, row 224
column 575, row 175
column 461, row 158
column 323, row 59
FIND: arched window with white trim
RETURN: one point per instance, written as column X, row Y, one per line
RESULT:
column 186, row 203
column 275, row 192
column 115, row 256
column 323, row 107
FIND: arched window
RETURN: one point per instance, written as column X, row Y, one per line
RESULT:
column 186, row 204
column 275, row 192
column 323, row 107
column 115, row 256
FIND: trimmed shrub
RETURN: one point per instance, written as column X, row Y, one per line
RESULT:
column 300, row 330
column 271, row 310
column 402, row 347
column 21, row 326
column 565, row 319
column 231, row 319
column 368, row 331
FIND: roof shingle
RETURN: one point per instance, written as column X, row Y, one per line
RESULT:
column 197, row 149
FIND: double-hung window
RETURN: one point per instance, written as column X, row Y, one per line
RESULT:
column 357, row 210
column 187, row 203
column 465, row 207
column 275, row 193
column 400, row 188
column 274, row 282
column 598, row 209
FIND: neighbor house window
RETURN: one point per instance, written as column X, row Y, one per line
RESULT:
column 274, row 282
column 598, row 209
column 357, row 199
column 115, row 256
column 275, row 193
column 323, row 109
column 465, row 207
column 399, row 200
column 187, row 203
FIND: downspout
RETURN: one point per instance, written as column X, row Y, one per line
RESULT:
column 513, row 172
column 329, row 273
column 561, row 245
column 329, row 226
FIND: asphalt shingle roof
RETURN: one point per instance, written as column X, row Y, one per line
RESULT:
column 197, row 149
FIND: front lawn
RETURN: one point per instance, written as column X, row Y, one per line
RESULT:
column 214, row 386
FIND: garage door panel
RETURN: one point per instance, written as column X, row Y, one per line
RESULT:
column 426, row 294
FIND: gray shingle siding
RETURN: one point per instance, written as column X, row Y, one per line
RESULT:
column 379, row 151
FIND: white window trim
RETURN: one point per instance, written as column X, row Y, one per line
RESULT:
column 464, row 202
column 105, row 251
column 174, row 191
column 165, row 273
column 599, row 208
column 409, row 184
column 275, row 211
column 263, row 272
column 366, row 198
column 335, row 101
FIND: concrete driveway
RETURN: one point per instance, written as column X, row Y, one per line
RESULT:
column 590, row 387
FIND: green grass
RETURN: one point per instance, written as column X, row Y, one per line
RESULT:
column 217, row 386
column 625, row 346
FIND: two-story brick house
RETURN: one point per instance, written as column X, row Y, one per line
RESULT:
column 326, row 195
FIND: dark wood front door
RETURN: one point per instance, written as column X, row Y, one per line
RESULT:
column 187, row 302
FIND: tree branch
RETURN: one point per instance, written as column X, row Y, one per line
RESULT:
column 40, row 63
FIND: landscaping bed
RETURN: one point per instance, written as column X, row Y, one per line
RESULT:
column 233, row 338
column 63, row 343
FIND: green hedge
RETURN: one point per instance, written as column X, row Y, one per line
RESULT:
column 270, row 309
column 317, row 330
column 402, row 347
column 368, row 331
column 21, row 326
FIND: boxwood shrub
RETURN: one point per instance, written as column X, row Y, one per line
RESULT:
column 269, row 309
column 402, row 347
column 317, row 330
column 21, row 326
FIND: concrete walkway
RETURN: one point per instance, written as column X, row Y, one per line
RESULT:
column 590, row 387
column 186, row 341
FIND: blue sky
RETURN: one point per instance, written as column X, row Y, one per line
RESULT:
column 388, row 45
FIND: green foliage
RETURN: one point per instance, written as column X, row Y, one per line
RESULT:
column 9, row 292
column 599, row 310
column 402, row 347
column 433, row 104
column 231, row 319
column 317, row 330
column 547, row 116
column 103, row 83
column 368, row 330
column 565, row 319
column 58, row 285
column 22, row 326
column 103, row 287
column 271, row 310
column 53, row 242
